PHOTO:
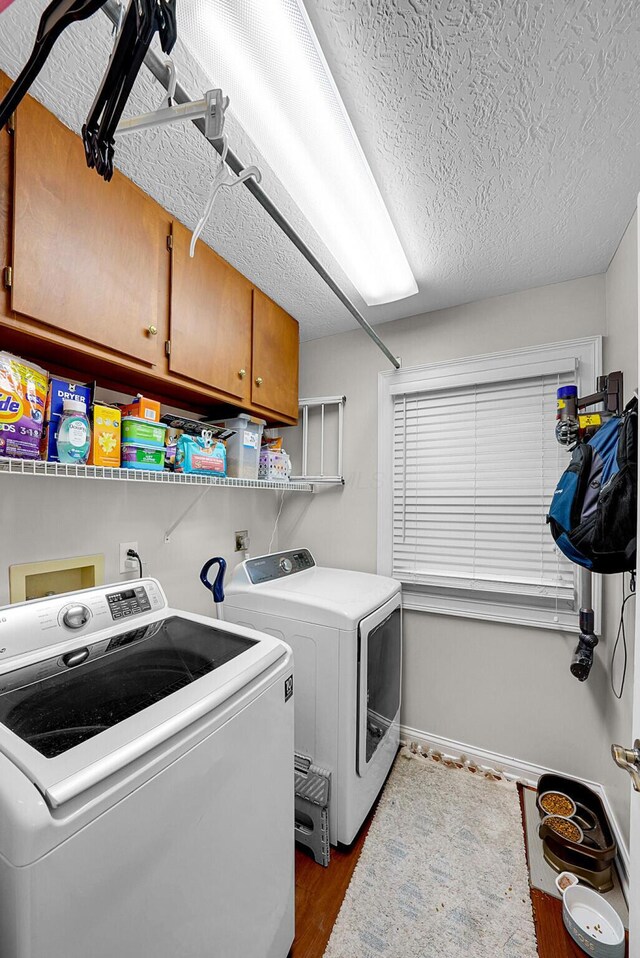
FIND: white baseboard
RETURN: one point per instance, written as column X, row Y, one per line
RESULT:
column 515, row 770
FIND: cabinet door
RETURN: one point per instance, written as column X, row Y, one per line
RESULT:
column 210, row 318
column 89, row 257
column 6, row 201
column 274, row 380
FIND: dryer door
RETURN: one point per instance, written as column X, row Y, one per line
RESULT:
column 379, row 679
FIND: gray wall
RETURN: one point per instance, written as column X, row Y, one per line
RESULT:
column 503, row 688
column 54, row 518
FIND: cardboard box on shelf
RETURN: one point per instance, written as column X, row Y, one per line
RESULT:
column 142, row 408
column 105, row 436
column 59, row 390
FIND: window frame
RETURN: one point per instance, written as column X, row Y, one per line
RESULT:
column 585, row 356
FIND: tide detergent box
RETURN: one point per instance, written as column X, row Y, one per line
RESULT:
column 59, row 390
column 105, row 436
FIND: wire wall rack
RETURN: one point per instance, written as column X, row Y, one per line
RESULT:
column 36, row 467
column 318, row 406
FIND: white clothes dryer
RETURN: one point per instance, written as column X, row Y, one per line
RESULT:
column 146, row 761
column 345, row 630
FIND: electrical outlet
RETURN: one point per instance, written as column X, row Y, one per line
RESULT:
column 242, row 540
column 126, row 563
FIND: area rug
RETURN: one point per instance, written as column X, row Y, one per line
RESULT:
column 442, row 873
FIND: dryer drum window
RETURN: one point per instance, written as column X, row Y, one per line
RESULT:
column 382, row 695
column 138, row 669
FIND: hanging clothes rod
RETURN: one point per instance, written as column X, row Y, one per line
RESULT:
column 158, row 68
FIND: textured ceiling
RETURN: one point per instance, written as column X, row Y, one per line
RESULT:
column 503, row 134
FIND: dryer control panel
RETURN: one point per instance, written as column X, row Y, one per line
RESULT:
column 279, row 565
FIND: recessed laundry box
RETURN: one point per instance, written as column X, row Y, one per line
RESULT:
column 346, row 634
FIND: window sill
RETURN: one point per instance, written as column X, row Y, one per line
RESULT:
column 417, row 600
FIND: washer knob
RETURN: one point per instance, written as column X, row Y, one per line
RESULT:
column 76, row 616
column 286, row 564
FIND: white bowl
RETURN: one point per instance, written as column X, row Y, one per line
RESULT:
column 573, row 880
column 592, row 923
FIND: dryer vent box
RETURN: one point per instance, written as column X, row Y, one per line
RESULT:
column 34, row 580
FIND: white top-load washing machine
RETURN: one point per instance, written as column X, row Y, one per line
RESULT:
column 146, row 764
column 346, row 634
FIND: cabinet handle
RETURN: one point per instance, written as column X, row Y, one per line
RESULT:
column 242, row 373
column 153, row 330
column 259, row 381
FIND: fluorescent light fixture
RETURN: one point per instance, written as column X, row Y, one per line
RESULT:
column 265, row 56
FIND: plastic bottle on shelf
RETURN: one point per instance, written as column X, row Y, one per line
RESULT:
column 74, row 433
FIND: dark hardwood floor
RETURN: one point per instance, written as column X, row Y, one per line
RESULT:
column 319, row 894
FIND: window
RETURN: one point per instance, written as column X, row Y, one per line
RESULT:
column 468, row 463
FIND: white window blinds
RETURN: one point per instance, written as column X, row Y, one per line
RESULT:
column 474, row 470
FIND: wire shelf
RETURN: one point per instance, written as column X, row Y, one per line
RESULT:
column 35, row 467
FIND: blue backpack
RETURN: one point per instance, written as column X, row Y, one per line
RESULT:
column 593, row 511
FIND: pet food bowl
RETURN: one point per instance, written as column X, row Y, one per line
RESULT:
column 592, row 923
column 547, row 825
column 592, row 859
column 565, row 880
column 572, row 808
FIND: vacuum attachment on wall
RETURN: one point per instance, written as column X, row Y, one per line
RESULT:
column 592, row 516
column 587, row 641
column 573, row 424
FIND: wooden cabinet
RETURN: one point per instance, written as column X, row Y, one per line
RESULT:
column 210, row 326
column 89, row 257
column 96, row 292
column 274, row 368
column 6, row 202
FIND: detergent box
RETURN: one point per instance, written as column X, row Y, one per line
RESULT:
column 59, row 390
column 142, row 408
column 105, row 436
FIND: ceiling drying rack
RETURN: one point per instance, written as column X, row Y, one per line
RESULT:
column 166, row 78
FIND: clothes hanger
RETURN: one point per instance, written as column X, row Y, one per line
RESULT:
column 56, row 18
column 224, row 178
column 143, row 19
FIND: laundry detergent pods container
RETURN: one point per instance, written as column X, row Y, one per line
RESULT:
column 592, row 923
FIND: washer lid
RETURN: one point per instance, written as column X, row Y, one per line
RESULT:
column 75, row 726
column 337, row 598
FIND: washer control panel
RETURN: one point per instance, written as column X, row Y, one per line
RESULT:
column 29, row 630
column 279, row 565
column 128, row 602
column 75, row 616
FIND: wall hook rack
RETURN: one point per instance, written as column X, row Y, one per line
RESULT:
column 211, row 108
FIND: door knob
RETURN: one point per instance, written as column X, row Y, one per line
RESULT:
column 153, row 330
column 629, row 759
column 242, row 373
column 259, row 381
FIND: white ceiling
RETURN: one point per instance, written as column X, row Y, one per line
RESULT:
column 504, row 136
